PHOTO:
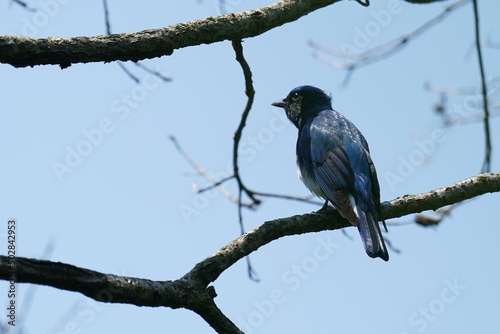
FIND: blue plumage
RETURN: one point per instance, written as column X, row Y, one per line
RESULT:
column 334, row 162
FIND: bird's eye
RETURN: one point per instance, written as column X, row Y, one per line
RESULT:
column 295, row 96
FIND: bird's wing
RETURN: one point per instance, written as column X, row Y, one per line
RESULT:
column 334, row 177
column 375, row 190
column 334, row 156
column 324, row 154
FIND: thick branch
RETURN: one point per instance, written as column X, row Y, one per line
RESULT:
column 192, row 290
column 330, row 219
column 208, row 270
column 24, row 51
column 120, row 289
column 440, row 197
column 98, row 286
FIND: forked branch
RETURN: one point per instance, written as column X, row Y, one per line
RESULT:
column 192, row 291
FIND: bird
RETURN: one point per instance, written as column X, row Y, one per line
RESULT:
column 334, row 162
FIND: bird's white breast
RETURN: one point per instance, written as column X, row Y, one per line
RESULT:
column 310, row 183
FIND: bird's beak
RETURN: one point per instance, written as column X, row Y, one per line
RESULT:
column 280, row 104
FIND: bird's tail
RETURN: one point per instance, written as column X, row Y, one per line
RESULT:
column 369, row 230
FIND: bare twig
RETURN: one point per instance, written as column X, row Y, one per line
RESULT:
column 192, row 291
column 157, row 74
column 391, row 246
column 293, row 198
column 216, row 183
column 128, row 73
column 452, row 115
column 120, row 64
column 200, row 170
column 250, row 92
column 423, row 1
column 364, row 4
column 379, row 52
column 427, row 220
column 106, row 17
column 486, row 88
column 492, row 85
column 24, row 5
column 486, row 118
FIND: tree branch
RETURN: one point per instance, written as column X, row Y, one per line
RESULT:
column 192, row 291
column 187, row 293
column 24, row 5
column 200, row 170
column 250, row 93
column 484, row 91
column 379, row 52
column 438, row 198
column 24, row 51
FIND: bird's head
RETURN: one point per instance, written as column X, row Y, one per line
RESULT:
column 303, row 102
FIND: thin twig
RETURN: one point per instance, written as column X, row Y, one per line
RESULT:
column 218, row 183
column 201, row 171
column 486, row 118
column 364, row 4
column 426, row 220
column 127, row 72
column 24, row 5
column 250, row 92
column 391, row 246
column 447, row 90
column 106, row 17
column 157, row 74
column 451, row 115
column 107, row 23
column 289, row 197
column 379, row 52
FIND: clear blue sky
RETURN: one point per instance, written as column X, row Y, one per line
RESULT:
column 121, row 208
